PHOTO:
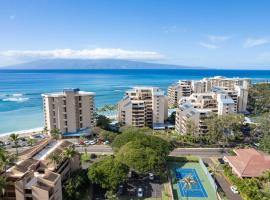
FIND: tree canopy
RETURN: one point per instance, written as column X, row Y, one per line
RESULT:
column 259, row 98
column 161, row 146
column 141, row 157
column 109, row 173
column 221, row 128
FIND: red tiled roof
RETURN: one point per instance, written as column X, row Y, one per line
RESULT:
column 249, row 162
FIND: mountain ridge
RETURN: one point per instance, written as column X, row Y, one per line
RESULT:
column 46, row 64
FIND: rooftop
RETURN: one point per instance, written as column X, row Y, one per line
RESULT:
column 249, row 162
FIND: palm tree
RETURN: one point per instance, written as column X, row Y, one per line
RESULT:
column 55, row 159
column 6, row 159
column 69, row 152
column 188, row 181
column 14, row 138
column 31, row 141
column 3, row 185
column 55, row 133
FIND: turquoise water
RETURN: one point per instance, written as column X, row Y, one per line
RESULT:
column 20, row 91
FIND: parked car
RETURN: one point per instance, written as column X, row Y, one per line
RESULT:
column 140, row 192
column 106, row 142
column 92, row 142
column 151, row 176
column 234, row 189
column 120, row 190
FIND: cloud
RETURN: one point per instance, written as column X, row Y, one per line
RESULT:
column 251, row 42
column 11, row 17
column 208, row 45
column 218, row 38
column 97, row 53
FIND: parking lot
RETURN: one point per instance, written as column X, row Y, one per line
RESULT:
column 150, row 188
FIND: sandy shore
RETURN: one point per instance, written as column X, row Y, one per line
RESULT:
column 24, row 133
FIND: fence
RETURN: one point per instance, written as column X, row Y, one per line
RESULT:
column 210, row 178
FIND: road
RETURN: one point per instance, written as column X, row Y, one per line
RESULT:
column 202, row 152
column 223, row 183
column 99, row 149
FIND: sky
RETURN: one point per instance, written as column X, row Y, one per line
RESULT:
column 226, row 34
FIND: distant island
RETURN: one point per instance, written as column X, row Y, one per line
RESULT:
column 94, row 64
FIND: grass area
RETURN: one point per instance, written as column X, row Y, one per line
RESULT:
column 205, row 182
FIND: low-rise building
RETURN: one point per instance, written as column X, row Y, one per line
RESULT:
column 70, row 111
column 36, row 176
column 143, row 106
column 248, row 163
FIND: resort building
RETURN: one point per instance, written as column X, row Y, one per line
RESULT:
column 70, row 111
column 143, row 106
column 248, row 163
column 37, row 176
column 177, row 91
column 236, row 88
column 193, row 110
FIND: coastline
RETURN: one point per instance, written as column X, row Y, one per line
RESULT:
column 23, row 133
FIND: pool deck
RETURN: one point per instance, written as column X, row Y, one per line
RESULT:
column 202, row 176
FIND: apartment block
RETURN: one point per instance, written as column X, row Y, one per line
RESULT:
column 143, row 106
column 69, row 111
column 177, row 91
column 35, row 176
column 198, row 106
column 236, row 88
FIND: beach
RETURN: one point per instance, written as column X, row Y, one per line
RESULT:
column 23, row 133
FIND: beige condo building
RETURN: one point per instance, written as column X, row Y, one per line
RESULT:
column 69, row 111
column 236, row 88
column 36, row 177
column 177, row 91
column 143, row 106
column 196, row 108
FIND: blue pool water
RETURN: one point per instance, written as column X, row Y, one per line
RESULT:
column 20, row 90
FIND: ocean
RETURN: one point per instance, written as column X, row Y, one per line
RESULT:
column 20, row 90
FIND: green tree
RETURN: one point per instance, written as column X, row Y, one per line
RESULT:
column 225, row 127
column 144, row 135
column 103, row 122
column 31, row 141
column 6, row 159
column 111, row 195
column 192, row 128
column 55, row 134
column 141, row 158
column 108, row 173
column 55, row 159
column 3, row 185
column 107, row 135
column 69, row 152
column 14, row 138
column 75, row 186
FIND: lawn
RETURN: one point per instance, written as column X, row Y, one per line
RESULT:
column 202, row 176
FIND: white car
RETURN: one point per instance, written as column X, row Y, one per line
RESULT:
column 151, row 176
column 106, row 142
column 234, row 189
column 140, row 192
column 92, row 142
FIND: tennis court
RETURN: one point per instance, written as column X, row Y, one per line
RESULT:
column 196, row 189
column 178, row 168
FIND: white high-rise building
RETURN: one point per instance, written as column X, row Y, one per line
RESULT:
column 69, row 111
